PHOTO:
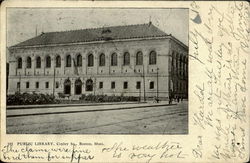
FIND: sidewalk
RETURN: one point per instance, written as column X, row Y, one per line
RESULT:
column 77, row 108
column 13, row 107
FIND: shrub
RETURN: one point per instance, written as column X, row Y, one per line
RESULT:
column 82, row 97
column 29, row 99
column 35, row 98
column 61, row 95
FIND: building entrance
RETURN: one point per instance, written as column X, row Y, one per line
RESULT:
column 78, row 87
column 67, row 86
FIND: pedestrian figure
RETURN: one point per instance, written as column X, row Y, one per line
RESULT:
column 156, row 100
column 178, row 99
column 170, row 100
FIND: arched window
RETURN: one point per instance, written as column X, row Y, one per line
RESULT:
column 79, row 60
column 114, row 59
column 180, row 61
column 48, row 62
column 38, row 62
column 90, row 60
column 126, row 58
column 68, row 61
column 177, row 61
column 28, row 64
column 139, row 58
column 152, row 58
column 89, row 85
column 180, row 66
column 102, row 60
column 19, row 63
column 186, row 66
column 173, row 56
column 172, row 62
column 58, row 61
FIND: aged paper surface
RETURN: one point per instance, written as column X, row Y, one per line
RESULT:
column 218, row 117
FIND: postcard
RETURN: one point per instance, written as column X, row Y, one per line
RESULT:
column 125, row 81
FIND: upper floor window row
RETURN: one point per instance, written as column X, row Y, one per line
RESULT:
column 78, row 60
column 48, row 62
column 152, row 58
column 58, row 61
column 29, row 62
column 90, row 60
column 102, row 60
column 68, row 61
column 19, row 63
column 114, row 59
column 139, row 58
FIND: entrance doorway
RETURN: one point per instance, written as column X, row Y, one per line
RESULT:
column 78, row 87
column 67, row 87
column 89, row 85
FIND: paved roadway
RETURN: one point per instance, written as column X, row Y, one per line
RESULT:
column 108, row 119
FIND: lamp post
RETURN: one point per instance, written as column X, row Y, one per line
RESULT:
column 157, row 85
column 140, row 92
column 54, row 78
column 94, row 86
column 144, row 91
column 19, row 88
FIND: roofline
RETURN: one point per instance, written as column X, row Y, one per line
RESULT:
column 103, row 27
column 94, row 42
column 181, row 43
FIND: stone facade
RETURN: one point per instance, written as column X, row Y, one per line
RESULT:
column 166, row 75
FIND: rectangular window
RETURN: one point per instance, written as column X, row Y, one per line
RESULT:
column 112, row 85
column 138, row 85
column 125, row 85
column 100, row 85
column 47, row 85
column 37, row 84
column 18, row 85
column 27, row 84
column 151, row 85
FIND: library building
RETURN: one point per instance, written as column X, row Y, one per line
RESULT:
column 131, row 60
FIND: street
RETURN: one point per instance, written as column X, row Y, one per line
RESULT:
column 147, row 118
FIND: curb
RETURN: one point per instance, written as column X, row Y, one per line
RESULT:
column 64, row 105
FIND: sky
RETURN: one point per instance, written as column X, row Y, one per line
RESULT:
column 22, row 23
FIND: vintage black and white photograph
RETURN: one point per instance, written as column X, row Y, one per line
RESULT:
column 97, row 71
